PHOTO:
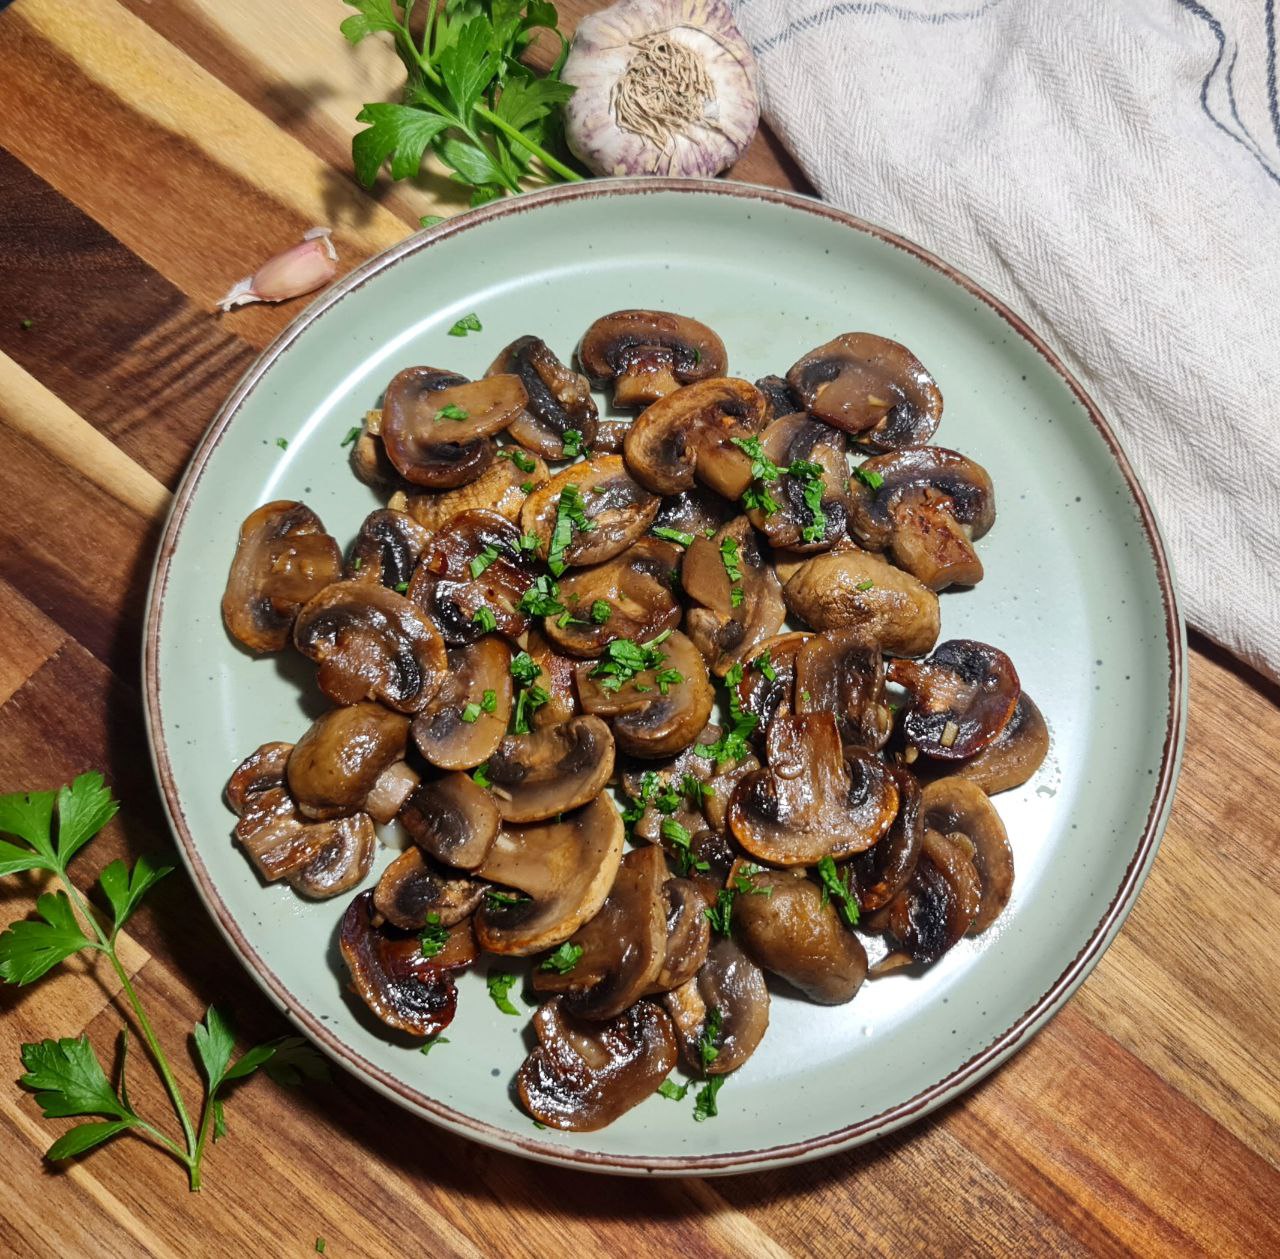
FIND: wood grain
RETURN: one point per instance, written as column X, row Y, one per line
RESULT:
column 154, row 152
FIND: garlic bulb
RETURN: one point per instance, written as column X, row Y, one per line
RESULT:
column 665, row 87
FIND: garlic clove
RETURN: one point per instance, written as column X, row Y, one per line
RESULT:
column 300, row 269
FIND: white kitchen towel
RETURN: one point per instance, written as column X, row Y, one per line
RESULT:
column 1110, row 169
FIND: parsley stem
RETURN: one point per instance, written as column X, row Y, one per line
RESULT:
column 513, row 133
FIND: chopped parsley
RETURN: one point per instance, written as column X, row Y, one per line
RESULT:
column 704, row 1102
column 430, row 220
column 708, row 1051
column 635, row 810
column 572, row 441
column 720, row 914
column 833, row 886
column 320, row 1240
column 570, row 515
column 468, row 323
column 524, row 668
column 432, row 1043
column 564, row 959
column 353, row 435
column 541, row 599
column 763, row 472
column 484, row 618
column 764, row 664
column 452, row 412
column 732, row 744
column 869, row 477
column 480, row 776
column 482, row 561
column 681, row 842
column 526, row 487
column 672, row 535
column 282, row 442
column 732, row 561
column 517, row 456
column 865, row 585
column 433, row 937
column 529, row 543
column 671, row 1091
column 623, row 659
column 806, row 698
column 811, row 477
column 471, row 713
column 504, row 900
column 601, row 611
column 529, row 699
column 744, row 882
column 500, row 984
column 489, row 701
column 401, row 587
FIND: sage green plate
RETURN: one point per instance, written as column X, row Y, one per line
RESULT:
column 1078, row 591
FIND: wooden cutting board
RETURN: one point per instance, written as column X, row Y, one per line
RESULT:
column 154, row 151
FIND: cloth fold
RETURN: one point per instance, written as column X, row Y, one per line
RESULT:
column 1111, row 170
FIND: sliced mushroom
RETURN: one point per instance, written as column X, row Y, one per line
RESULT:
column 411, row 892
column 407, row 991
column 729, row 994
column 649, row 353
column 369, row 457
column 552, row 770
column 635, row 589
column 729, row 628
column 582, row 1076
column 460, row 728
column 371, row 643
column 842, row 674
column 662, row 709
column 452, row 819
column 318, row 859
column 387, row 549
column 611, row 434
column 500, row 488
column 336, row 764
column 617, row 511
column 817, row 799
column 869, row 386
column 786, row 924
column 958, row 701
column 697, row 512
column 623, row 946
column 688, row 934
column 559, row 400
column 395, row 785
column 283, row 558
column 884, row 869
column 689, row 435
column 1013, row 756
column 780, row 396
column 768, row 688
column 954, row 806
column 436, row 425
column 555, row 676
column 856, row 590
column 927, row 507
column 563, row 870
column 817, row 453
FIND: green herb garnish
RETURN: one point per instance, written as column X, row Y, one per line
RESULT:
column 671, row 1091
column 480, row 776
column 282, row 442
column 500, row 984
column 601, row 611
column 834, row 887
column 865, row 585
column 468, row 323
column 570, row 515
column 485, row 619
column 564, row 959
column 471, row 713
column 708, row 1051
column 869, row 477
column 572, row 443
column 517, row 456
column 704, row 1105
column 429, row 1045
column 353, row 435
column 433, row 937
column 452, row 412
column 720, row 914
column 541, row 599
column 672, row 535
column 487, row 556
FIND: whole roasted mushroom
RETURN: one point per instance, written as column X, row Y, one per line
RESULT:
column 561, row 870
column 817, row 798
column 722, row 1013
column 412, row 893
column 1013, row 756
column 371, row 643
column 842, row 674
column 955, row 806
column 740, row 600
column 407, row 991
column 453, row 819
column 856, row 590
column 871, row 387
column 648, row 354
column 436, row 426
column 318, row 859
column 662, row 709
column 336, row 764
column 552, row 770
column 466, row 720
column 926, row 506
column 283, row 558
column 559, row 400
column 810, row 498
column 609, row 512
column 582, row 1075
column 387, row 549
column 689, row 435
column 502, row 487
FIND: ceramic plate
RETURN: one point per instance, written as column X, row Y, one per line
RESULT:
column 1077, row 590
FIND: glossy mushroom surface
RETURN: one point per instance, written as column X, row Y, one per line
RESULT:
column 955, row 806
column 502, row 487
column 808, row 505
column 466, row 720
column 1013, row 756
column 412, row 892
column 453, row 819
column 558, row 399
column 883, row 870
column 647, row 354
column 841, row 673
column 335, row 765
column 551, row 770
column 387, row 549
column 722, row 1013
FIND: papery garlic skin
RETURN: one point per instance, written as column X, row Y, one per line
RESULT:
column 299, row 270
column 608, row 43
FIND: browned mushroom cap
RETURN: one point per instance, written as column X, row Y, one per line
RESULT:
column 463, row 725
column 662, row 709
column 648, row 354
column 581, row 1076
column 559, row 400
column 688, row 934
column 318, row 859
column 452, row 819
column 549, row 771
column 387, row 797
column 728, row 628
column 935, row 909
column 958, row 700
column 1013, row 756
column 474, row 562
column 817, row 799
column 883, row 870
column 436, row 425
column 689, row 435
column 617, row 511
column 767, row 689
column 635, row 589
column 407, row 991
column 840, row 673
column 623, row 946
column 817, row 453
column 371, row 643
column 412, row 892
column 555, row 676
column 369, row 457
column 282, row 559
column 786, row 924
column 722, row 1013
column 335, row 765
column 870, row 386
column 387, row 549
column 955, row 806
column 500, row 488
column 780, row 396
column 562, row 871
column 611, row 434
column 694, row 512
column 926, row 505
column 856, row 590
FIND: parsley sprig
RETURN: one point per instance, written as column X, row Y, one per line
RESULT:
column 836, row 888
column 623, row 659
column 732, row 745
column 468, row 96
column 66, row 1075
